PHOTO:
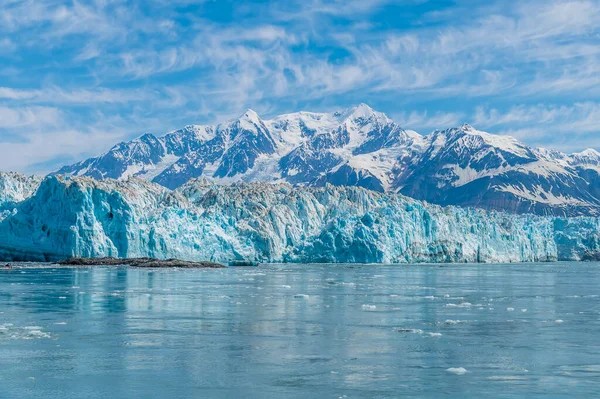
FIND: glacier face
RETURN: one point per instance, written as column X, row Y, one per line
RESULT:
column 79, row 216
column 362, row 147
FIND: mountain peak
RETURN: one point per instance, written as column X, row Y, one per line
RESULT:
column 364, row 107
column 361, row 111
column 147, row 136
column 586, row 157
column 590, row 152
column 249, row 119
column 250, row 114
column 466, row 127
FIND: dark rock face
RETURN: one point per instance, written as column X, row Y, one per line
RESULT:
column 346, row 175
column 139, row 262
column 382, row 136
column 305, row 164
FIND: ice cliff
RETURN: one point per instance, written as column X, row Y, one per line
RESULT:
column 65, row 216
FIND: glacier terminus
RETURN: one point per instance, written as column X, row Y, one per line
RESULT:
column 62, row 216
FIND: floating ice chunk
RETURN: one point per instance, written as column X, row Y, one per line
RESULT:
column 453, row 322
column 459, row 305
column 510, row 309
column 523, row 310
column 369, row 307
column 457, row 370
column 431, row 334
column 559, row 321
column 506, row 378
column 411, row 330
column 27, row 333
column 37, row 334
column 302, row 296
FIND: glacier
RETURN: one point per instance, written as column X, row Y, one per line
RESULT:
column 61, row 216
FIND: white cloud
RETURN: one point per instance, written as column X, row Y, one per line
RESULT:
column 152, row 66
column 43, row 147
column 424, row 120
column 562, row 127
column 41, row 117
column 60, row 95
column 577, row 118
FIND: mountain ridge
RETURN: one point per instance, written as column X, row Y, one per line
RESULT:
column 362, row 147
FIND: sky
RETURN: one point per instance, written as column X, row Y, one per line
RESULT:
column 76, row 77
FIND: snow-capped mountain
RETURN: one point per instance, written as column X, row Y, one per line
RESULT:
column 362, row 147
column 63, row 216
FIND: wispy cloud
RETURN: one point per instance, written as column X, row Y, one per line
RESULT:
column 568, row 127
column 58, row 95
column 11, row 118
column 578, row 118
column 156, row 64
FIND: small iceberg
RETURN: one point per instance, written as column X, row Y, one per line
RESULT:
column 457, row 370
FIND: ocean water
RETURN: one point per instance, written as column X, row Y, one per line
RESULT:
column 300, row 331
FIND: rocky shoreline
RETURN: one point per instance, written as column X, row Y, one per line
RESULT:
column 140, row 262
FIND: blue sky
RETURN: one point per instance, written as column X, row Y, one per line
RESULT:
column 78, row 76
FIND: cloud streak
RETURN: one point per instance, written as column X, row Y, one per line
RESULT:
column 157, row 65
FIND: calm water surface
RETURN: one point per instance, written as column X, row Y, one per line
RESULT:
column 298, row 331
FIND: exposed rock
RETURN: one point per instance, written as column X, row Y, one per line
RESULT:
column 139, row 262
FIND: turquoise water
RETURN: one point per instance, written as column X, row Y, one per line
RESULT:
column 298, row 331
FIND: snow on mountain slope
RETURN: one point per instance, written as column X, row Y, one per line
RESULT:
column 467, row 167
column 79, row 216
column 146, row 156
column 588, row 159
column 362, row 147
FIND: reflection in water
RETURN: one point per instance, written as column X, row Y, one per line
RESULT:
column 289, row 330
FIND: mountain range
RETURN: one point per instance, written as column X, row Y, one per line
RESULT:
column 362, row 147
